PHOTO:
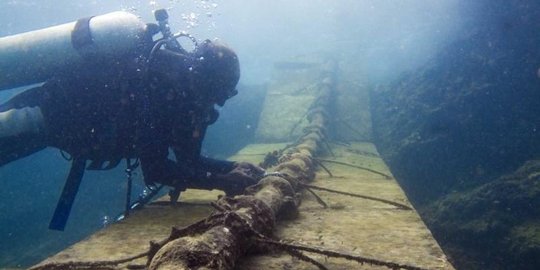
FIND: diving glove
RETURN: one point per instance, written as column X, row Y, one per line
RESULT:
column 242, row 175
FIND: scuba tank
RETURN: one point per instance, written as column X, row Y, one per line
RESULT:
column 36, row 56
column 111, row 35
column 33, row 57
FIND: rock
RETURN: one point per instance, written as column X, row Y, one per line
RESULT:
column 499, row 220
column 451, row 129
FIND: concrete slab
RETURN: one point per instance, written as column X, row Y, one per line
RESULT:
column 367, row 228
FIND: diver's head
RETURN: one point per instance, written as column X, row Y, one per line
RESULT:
column 208, row 75
column 216, row 71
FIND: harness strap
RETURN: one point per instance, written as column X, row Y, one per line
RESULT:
column 130, row 167
column 81, row 35
column 63, row 207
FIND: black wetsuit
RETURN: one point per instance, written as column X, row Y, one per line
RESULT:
column 105, row 112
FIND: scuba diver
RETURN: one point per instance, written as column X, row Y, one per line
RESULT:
column 138, row 106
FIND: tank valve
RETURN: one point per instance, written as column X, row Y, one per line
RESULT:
column 162, row 17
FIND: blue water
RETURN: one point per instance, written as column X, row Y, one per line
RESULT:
column 388, row 38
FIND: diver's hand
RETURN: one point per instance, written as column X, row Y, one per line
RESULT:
column 249, row 169
column 243, row 174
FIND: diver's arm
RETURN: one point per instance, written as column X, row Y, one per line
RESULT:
column 188, row 151
column 155, row 162
column 208, row 173
column 189, row 170
column 168, row 172
column 216, row 165
column 201, row 166
column 229, row 176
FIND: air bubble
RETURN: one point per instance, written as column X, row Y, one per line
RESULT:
column 105, row 220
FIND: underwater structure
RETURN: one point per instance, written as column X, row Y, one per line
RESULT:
column 461, row 135
column 328, row 200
